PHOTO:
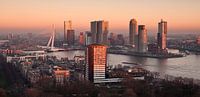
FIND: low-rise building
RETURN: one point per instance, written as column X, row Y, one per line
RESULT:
column 60, row 75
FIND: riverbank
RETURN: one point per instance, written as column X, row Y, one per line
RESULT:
column 150, row 55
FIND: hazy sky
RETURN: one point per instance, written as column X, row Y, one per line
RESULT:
column 38, row 15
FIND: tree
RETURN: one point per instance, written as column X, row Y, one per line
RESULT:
column 31, row 92
column 129, row 93
column 2, row 93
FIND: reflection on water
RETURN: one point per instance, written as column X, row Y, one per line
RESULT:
column 186, row 66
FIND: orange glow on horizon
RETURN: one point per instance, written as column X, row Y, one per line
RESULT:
column 34, row 14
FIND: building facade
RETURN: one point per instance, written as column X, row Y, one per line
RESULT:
column 81, row 39
column 60, row 75
column 120, row 39
column 133, row 32
column 99, row 31
column 69, row 33
column 162, row 35
column 142, row 39
column 88, row 38
column 96, row 60
column 65, row 33
column 112, row 39
column 70, row 37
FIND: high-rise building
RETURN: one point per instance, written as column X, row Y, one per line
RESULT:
column 112, row 39
column 65, row 33
column 70, row 37
column 142, row 39
column 88, row 38
column 133, row 33
column 93, row 29
column 120, row 39
column 99, row 31
column 70, row 33
column 162, row 35
column 81, row 38
column 96, row 60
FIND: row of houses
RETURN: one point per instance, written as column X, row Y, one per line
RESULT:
column 35, row 68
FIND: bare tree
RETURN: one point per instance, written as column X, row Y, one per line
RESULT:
column 31, row 92
column 2, row 93
column 129, row 93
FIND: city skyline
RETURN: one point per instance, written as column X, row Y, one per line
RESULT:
column 37, row 16
column 99, row 48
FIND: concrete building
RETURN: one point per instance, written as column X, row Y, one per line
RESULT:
column 81, row 39
column 88, row 38
column 153, row 48
column 198, row 40
column 65, row 33
column 10, row 36
column 24, row 66
column 33, row 76
column 133, row 32
column 112, row 39
column 162, row 35
column 96, row 60
column 120, row 39
column 61, row 75
column 99, row 31
column 69, row 33
column 24, row 58
column 142, row 39
column 70, row 37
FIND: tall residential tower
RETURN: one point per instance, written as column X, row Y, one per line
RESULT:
column 162, row 35
column 88, row 38
column 70, row 33
column 142, row 39
column 65, row 33
column 133, row 33
column 81, row 39
column 99, row 30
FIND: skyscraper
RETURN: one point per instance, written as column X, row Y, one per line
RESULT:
column 65, row 33
column 112, row 39
column 70, row 37
column 88, row 38
column 93, row 27
column 162, row 35
column 142, row 39
column 96, row 60
column 133, row 32
column 120, row 39
column 81, row 38
column 70, row 33
column 99, row 31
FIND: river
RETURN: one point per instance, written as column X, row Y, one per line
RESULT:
column 188, row 66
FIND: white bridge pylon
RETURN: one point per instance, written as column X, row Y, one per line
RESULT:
column 50, row 44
